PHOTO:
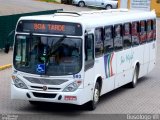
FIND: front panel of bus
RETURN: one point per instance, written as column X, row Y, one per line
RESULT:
column 47, row 62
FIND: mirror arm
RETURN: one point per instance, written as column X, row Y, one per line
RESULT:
column 7, row 44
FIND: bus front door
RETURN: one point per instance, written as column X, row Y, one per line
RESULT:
column 89, row 60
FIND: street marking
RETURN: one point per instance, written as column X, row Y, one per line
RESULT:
column 5, row 67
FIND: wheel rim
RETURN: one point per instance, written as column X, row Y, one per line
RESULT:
column 108, row 7
column 81, row 4
column 96, row 96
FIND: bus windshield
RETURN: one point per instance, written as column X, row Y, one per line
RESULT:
column 52, row 56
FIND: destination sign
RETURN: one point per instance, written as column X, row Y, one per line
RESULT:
column 50, row 27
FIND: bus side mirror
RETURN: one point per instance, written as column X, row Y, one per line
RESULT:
column 7, row 46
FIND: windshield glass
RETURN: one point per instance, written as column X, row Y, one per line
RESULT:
column 51, row 56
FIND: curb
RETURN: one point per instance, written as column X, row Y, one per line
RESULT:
column 5, row 67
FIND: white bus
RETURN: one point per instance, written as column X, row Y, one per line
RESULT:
column 75, row 58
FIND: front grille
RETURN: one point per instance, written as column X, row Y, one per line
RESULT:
column 41, row 88
column 44, row 95
column 46, row 81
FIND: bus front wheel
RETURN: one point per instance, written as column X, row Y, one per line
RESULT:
column 96, row 95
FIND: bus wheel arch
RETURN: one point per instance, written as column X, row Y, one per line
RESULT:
column 96, row 94
column 137, row 64
column 99, row 80
column 135, row 75
column 138, row 67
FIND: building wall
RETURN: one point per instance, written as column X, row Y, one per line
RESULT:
column 58, row 1
column 119, row 3
column 155, row 4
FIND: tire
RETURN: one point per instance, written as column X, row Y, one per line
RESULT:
column 70, row 2
column 96, row 95
column 81, row 4
column 135, row 78
column 108, row 7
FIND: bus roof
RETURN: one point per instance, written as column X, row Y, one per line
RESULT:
column 96, row 18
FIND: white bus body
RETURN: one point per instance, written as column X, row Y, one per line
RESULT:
column 118, row 47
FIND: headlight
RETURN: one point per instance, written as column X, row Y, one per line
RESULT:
column 72, row 87
column 19, row 83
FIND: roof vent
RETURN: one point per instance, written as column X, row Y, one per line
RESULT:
column 61, row 13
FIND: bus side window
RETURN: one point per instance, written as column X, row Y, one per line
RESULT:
column 143, row 32
column 149, row 30
column 89, row 51
column 154, row 29
column 98, row 42
column 127, row 35
column 108, row 39
column 118, row 43
column 135, row 33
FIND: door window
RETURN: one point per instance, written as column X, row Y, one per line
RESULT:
column 89, row 51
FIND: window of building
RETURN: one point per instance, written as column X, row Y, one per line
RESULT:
column 127, row 35
column 135, row 33
column 118, row 43
column 98, row 42
column 108, row 39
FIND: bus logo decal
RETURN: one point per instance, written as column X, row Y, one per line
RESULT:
column 108, row 65
column 44, row 88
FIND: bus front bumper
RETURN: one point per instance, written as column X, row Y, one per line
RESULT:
column 79, row 97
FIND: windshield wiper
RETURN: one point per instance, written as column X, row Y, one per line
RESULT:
column 56, row 45
column 30, row 39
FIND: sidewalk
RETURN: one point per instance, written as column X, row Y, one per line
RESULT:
column 5, row 58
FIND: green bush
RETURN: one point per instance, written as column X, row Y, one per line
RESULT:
column 49, row 0
column 66, row 1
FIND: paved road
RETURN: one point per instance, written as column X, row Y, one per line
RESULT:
column 8, row 7
column 143, row 99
